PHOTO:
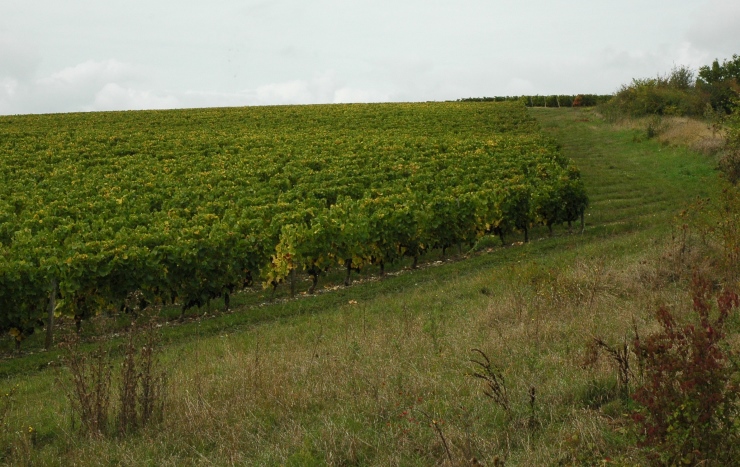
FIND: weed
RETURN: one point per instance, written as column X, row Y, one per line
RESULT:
column 141, row 387
column 433, row 328
column 533, row 422
column 495, row 384
column 152, row 382
column 6, row 404
column 16, row 446
column 91, row 382
column 621, row 356
column 654, row 127
column 436, row 424
column 127, row 419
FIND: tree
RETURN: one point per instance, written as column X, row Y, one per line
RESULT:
column 721, row 82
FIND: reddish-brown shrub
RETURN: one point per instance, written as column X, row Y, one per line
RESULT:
column 689, row 399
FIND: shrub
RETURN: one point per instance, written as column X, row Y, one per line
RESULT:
column 721, row 83
column 729, row 164
column 671, row 95
column 657, row 97
column 730, row 161
column 689, row 399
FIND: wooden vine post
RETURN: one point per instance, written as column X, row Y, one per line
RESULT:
column 292, row 282
column 50, row 320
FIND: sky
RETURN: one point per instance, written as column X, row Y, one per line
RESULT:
column 93, row 55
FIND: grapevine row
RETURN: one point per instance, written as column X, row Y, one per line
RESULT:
column 184, row 206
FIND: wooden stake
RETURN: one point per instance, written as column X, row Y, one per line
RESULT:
column 50, row 320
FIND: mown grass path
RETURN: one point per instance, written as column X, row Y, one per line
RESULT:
column 633, row 182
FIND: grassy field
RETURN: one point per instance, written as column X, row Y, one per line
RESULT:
column 380, row 373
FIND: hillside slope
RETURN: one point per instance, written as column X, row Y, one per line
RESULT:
column 380, row 373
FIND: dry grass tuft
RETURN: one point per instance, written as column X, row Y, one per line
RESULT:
column 691, row 133
column 680, row 131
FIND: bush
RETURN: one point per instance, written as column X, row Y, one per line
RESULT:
column 689, row 399
column 721, row 83
column 729, row 163
column 671, row 95
column 657, row 97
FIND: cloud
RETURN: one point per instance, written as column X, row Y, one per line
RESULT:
column 258, row 52
column 350, row 95
column 297, row 92
column 115, row 97
column 90, row 85
column 93, row 72
column 322, row 88
column 115, row 85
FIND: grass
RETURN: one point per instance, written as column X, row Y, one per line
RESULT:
column 380, row 373
column 699, row 136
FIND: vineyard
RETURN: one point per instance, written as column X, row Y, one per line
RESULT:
column 181, row 207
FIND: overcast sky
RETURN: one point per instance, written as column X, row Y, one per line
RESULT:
column 84, row 55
